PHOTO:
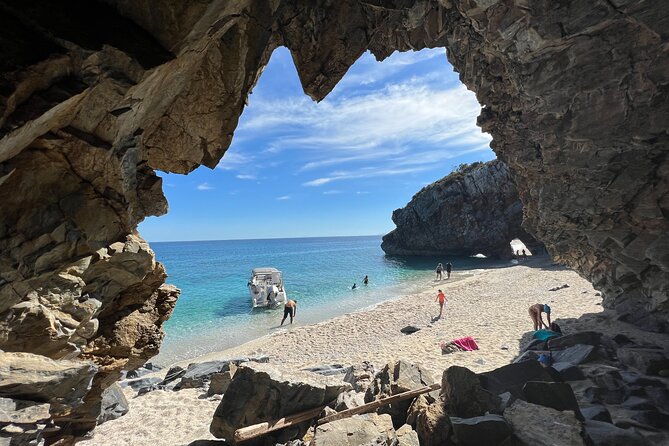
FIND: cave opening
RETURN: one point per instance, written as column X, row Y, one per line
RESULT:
column 297, row 168
column 575, row 96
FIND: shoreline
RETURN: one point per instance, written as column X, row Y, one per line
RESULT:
column 395, row 292
column 490, row 306
column 256, row 346
column 351, row 338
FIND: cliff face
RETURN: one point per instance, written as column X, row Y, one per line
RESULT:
column 95, row 95
column 471, row 211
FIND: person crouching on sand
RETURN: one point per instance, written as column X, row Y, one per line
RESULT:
column 289, row 309
column 535, row 315
column 441, row 298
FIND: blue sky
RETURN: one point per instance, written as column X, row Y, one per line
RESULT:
column 297, row 168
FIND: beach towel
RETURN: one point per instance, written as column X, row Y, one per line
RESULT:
column 545, row 335
column 466, row 344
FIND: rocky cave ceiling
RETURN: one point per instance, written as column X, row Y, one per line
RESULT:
column 96, row 95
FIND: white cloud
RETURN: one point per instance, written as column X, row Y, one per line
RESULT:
column 283, row 197
column 246, row 177
column 204, row 186
column 398, row 128
column 318, row 182
column 368, row 71
column 233, row 160
column 389, row 126
column 363, row 173
column 331, row 192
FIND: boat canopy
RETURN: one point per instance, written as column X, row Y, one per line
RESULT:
column 265, row 271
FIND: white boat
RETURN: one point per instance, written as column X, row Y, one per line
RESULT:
column 266, row 287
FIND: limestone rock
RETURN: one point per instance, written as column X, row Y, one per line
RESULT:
column 262, row 392
column 113, row 405
column 576, row 354
column 597, row 413
column 14, row 411
column 511, row 378
column 542, row 426
column 583, row 337
column 463, row 395
column 357, row 430
column 647, row 361
column 474, row 210
column 360, row 376
column 200, row 374
column 558, row 396
column 487, row 429
column 61, row 383
column 433, row 425
column 407, row 436
column 605, row 434
column 221, row 381
column 397, row 377
column 568, row 371
column 349, row 400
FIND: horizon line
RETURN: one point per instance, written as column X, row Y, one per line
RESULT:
column 262, row 238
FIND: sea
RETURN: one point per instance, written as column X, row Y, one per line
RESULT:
column 214, row 311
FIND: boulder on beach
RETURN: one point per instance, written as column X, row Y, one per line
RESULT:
column 398, row 377
column 38, row 378
column 489, row 430
column 542, row 426
column 558, row 396
column 365, row 429
column 262, row 392
column 463, row 395
column 649, row 361
column 113, row 405
column 512, row 377
column 360, row 376
column 221, row 381
column 433, row 425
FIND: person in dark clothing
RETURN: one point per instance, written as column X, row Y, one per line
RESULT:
column 449, row 267
column 289, row 310
column 365, row 281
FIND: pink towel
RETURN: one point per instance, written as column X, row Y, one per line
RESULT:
column 467, row 344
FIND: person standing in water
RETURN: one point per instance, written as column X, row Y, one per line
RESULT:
column 365, row 281
column 440, row 268
column 289, row 309
column 449, row 267
column 535, row 315
column 441, row 298
column 354, row 286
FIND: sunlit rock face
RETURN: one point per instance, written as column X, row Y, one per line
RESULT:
column 474, row 210
column 96, row 95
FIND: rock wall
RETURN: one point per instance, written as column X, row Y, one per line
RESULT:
column 575, row 96
column 96, row 95
column 475, row 209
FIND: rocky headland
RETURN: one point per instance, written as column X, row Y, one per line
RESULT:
column 97, row 95
column 474, row 210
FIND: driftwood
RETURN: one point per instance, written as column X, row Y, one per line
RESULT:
column 260, row 429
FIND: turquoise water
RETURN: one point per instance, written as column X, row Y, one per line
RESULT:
column 214, row 310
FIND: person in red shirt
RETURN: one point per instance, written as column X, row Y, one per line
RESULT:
column 441, row 298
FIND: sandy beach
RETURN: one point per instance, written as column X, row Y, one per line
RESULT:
column 490, row 305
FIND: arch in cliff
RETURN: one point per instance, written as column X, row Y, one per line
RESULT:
column 95, row 95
